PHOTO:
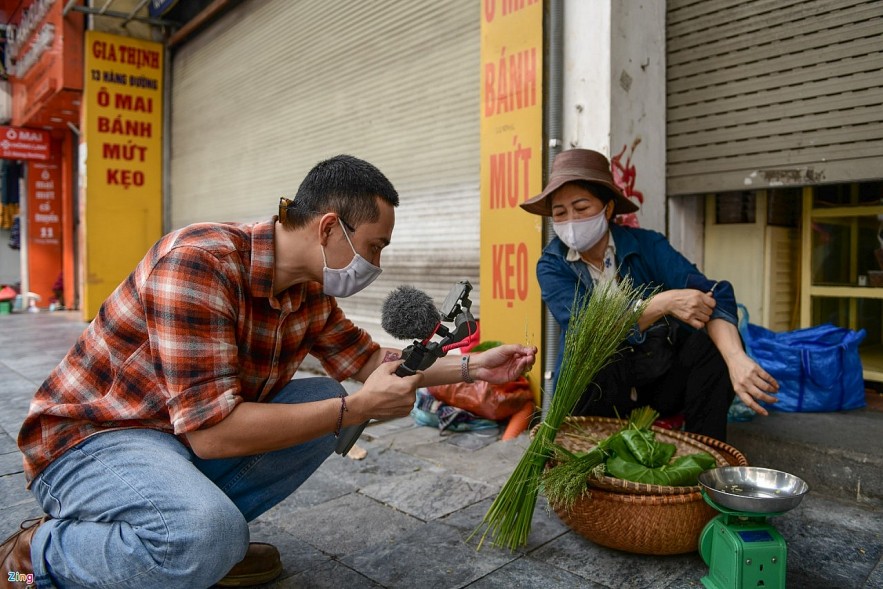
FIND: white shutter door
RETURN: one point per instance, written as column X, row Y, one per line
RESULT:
column 275, row 86
column 772, row 92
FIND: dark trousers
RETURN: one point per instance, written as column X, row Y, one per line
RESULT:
column 697, row 385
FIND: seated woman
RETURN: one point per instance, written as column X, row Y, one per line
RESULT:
column 686, row 356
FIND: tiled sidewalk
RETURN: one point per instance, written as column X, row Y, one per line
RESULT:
column 402, row 516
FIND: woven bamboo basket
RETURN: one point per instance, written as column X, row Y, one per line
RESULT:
column 642, row 519
column 579, row 434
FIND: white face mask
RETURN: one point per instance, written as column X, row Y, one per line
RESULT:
column 344, row 282
column 583, row 234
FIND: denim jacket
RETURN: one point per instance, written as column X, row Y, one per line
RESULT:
column 644, row 255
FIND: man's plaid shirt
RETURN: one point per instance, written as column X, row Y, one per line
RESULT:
column 191, row 333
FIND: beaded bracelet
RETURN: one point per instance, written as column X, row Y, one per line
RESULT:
column 340, row 415
column 464, row 369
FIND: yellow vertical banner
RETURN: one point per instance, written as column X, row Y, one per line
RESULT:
column 121, row 160
column 511, row 172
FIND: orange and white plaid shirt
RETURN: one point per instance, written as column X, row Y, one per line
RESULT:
column 191, row 333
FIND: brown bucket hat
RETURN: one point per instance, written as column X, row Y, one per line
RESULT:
column 579, row 164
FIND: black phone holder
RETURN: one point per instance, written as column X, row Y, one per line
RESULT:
column 420, row 355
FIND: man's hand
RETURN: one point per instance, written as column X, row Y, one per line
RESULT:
column 504, row 363
column 752, row 383
column 386, row 395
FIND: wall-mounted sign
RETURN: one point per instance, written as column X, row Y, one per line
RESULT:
column 44, row 61
column 45, row 227
column 44, row 203
column 18, row 143
column 122, row 135
column 511, row 171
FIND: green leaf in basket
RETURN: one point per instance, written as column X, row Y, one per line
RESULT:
column 683, row 471
column 646, row 449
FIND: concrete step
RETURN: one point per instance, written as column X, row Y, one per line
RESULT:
column 839, row 455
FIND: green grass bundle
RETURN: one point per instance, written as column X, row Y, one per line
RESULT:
column 598, row 326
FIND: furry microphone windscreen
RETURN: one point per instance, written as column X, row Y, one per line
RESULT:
column 409, row 313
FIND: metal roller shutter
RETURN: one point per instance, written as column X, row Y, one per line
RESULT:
column 771, row 92
column 275, row 86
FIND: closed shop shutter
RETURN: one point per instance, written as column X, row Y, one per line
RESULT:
column 772, row 92
column 274, row 86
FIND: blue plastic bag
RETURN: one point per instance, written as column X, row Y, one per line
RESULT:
column 818, row 368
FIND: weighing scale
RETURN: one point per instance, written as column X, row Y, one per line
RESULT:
column 742, row 550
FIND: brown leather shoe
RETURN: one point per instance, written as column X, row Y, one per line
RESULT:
column 15, row 554
column 260, row 565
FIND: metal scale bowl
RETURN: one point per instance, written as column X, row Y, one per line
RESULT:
column 739, row 546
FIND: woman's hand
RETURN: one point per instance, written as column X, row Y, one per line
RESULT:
column 691, row 306
column 502, row 364
column 752, row 383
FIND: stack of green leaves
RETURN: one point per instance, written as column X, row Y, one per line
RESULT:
column 598, row 325
column 639, row 457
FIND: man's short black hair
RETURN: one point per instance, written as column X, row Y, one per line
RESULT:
column 345, row 185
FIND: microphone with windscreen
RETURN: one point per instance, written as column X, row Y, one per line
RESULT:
column 409, row 313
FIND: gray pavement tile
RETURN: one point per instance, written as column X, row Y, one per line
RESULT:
column 39, row 349
column 819, row 558
column 7, row 442
column 687, row 582
column 492, row 464
column 381, row 463
column 833, row 513
column 875, row 579
column 328, row 575
column 615, row 569
column 527, row 573
column 297, row 556
column 473, row 440
column 13, row 491
column 379, row 429
column 435, row 556
column 406, row 438
column 319, row 488
column 10, row 463
column 12, row 417
column 35, row 370
column 429, row 496
column 347, row 524
column 12, row 517
column 14, row 383
column 545, row 525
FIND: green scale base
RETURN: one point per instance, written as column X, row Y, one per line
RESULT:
column 742, row 551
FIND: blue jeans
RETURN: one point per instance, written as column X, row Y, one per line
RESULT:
column 136, row 508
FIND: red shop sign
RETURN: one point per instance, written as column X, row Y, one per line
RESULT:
column 19, row 143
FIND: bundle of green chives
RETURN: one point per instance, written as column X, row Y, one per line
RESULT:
column 598, row 325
